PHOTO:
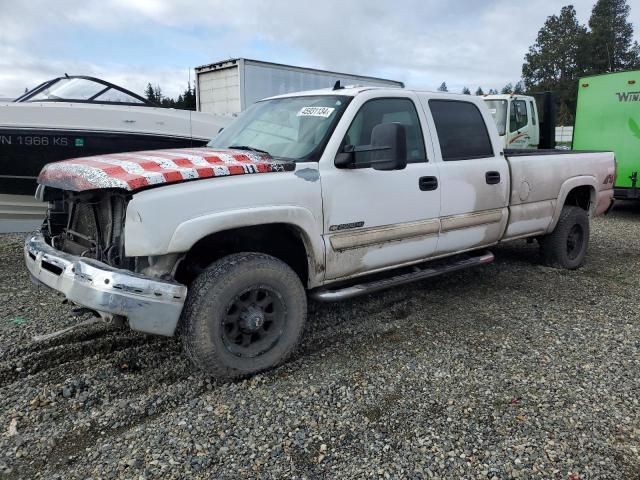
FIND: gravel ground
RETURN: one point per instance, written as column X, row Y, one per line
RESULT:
column 512, row 370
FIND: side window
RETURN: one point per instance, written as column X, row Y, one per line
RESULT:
column 533, row 111
column 518, row 116
column 388, row 110
column 461, row 130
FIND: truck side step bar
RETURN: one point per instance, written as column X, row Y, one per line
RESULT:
column 419, row 273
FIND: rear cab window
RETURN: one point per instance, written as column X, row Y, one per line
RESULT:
column 462, row 132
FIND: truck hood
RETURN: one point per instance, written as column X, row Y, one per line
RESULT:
column 136, row 170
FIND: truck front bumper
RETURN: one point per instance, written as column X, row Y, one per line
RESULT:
column 150, row 305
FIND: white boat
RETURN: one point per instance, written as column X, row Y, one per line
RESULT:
column 79, row 116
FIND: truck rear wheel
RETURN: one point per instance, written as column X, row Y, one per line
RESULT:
column 566, row 246
column 244, row 314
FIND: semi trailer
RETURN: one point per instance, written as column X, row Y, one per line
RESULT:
column 230, row 86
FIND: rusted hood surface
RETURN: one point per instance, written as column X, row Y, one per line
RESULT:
column 137, row 170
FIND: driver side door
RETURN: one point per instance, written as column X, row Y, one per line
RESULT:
column 374, row 219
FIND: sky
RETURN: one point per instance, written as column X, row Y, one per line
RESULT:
column 133, row 42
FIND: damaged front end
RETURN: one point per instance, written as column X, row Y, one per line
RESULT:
column 80, row 253
column 88, row 224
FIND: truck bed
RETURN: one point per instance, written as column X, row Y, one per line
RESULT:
column 535, row 191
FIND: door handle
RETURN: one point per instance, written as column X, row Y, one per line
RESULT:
column 428, row 183
column 492, row 178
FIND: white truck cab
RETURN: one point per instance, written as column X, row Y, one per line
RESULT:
column 516, row 118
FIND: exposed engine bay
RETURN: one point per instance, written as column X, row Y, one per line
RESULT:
column 88, row 224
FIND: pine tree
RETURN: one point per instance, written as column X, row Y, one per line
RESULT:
column 518, row 89
column 466, row 91
column 443, row 87
column 479, row 91
column 154, row 93
column 508, row 88
column 557, row 58
column 189, row 98
column 186, row 100
column 149, row 93
column 611, row 40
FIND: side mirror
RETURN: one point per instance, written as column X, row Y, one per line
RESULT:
column 389, row 141
column 386, row 151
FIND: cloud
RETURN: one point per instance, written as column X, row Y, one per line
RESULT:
column 20, row 71
column 421, row 42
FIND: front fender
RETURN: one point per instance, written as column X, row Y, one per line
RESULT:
column 139, row 241
column 190, row 231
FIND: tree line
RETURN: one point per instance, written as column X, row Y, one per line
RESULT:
column 185, row 101
column 566, row 50
column 516, row 88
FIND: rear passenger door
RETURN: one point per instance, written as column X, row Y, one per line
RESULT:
column 473, row 172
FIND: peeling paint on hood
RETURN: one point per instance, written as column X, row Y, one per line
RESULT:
column 136, row 170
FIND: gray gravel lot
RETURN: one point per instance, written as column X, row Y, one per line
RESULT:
column 512, row 370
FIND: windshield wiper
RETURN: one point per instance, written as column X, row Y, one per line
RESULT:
column 247, row 147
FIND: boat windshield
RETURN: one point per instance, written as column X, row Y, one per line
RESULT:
column 292, row 128
column 498, row 109
column 81, row 89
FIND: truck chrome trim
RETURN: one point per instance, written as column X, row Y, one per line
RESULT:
column 375, row 235
column 327, row 294
column 151, row 305
column 456, row 222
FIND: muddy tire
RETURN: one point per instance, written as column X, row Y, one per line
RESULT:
column 566, row 246
column 244, row 314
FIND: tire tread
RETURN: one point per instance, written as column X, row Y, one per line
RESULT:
column 553, row 245
column 215, row 277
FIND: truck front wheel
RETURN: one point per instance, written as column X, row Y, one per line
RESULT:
column 566, row 246
column 244, row 314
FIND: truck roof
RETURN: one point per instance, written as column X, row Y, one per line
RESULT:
column 353, row 90
column 349, row 91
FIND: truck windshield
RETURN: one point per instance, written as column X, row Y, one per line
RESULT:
column 498, row 109
column 293, row 128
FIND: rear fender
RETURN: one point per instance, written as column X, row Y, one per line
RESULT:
column 565, row 189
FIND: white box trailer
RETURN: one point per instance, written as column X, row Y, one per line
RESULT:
column 230, row 86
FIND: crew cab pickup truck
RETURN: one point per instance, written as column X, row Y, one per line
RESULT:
column 328, row 194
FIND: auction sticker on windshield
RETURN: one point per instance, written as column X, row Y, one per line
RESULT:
column 324, row 112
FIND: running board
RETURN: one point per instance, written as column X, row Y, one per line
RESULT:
column 418, row 273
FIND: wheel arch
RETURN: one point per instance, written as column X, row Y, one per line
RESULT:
column 577, row 191
column 282, row 240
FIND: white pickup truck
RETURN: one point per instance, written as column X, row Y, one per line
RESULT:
column 333, row 193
